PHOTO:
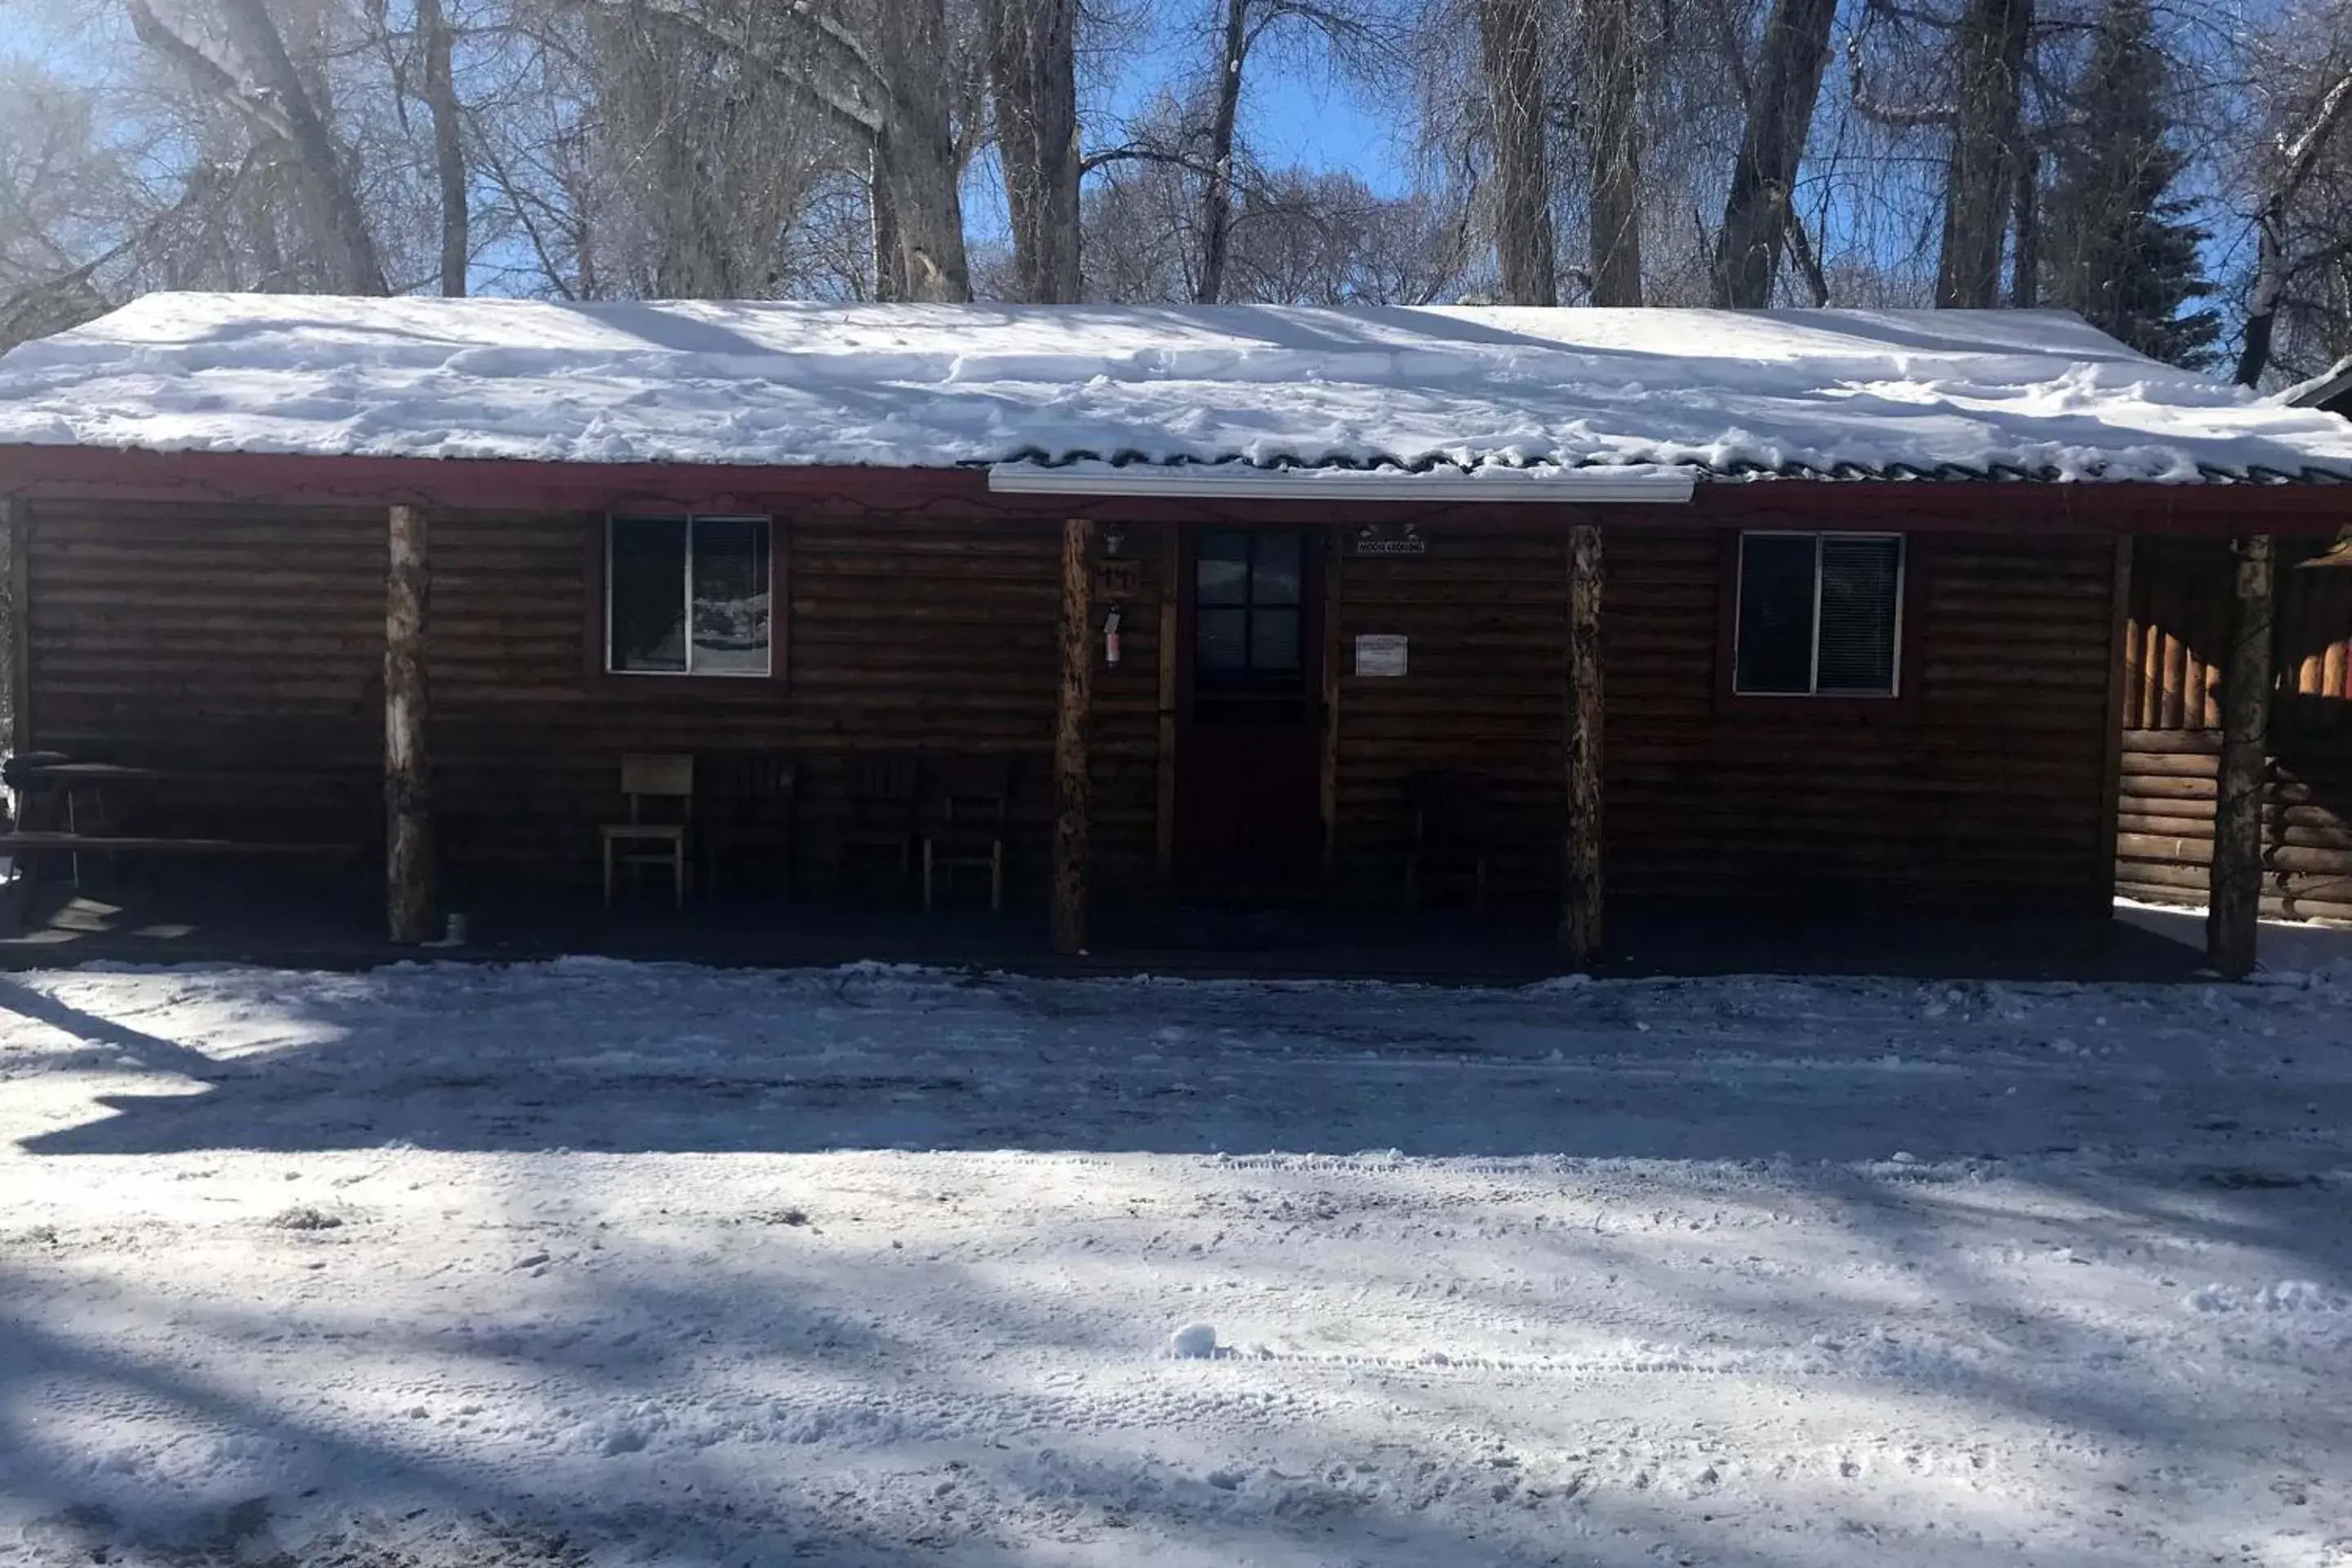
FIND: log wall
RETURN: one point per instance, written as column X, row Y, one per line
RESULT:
column 1989, row 787
column 2171, row 743
column 227, row 637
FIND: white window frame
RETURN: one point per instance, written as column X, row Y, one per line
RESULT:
column 1813, row 692
column 692, row 521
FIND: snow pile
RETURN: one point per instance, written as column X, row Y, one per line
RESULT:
column 928, row 387
column 877, row 1267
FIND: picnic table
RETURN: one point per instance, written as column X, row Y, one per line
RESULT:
column 64, row 806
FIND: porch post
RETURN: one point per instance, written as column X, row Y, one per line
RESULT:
column 15, row 720
column 407, row 773
column 2234, row 902
column 1580, row 889
column 1071, row 791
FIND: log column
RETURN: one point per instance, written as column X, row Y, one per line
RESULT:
column 2234, row 902
column 1072, row 793
column 1580, row 905
column 15, row 722
column 407, row 773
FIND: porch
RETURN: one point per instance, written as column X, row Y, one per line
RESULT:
column 273, row 921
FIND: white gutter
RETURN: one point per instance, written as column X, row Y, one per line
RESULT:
column 1236, row 481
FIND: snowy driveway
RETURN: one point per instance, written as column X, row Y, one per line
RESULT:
column 591, row 1262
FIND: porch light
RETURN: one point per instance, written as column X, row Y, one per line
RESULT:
column 1237, row 481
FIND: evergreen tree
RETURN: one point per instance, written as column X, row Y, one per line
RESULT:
column 2121, row 250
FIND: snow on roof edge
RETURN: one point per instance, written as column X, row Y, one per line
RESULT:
column 1728, row 395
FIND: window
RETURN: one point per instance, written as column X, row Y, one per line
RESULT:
column 1247, row 628
column 1821, row 615
column 687, row 595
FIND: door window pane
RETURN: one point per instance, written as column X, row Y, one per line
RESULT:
column 1224, row 641
column 1774, row 654
column 647, row 588
column 1861, row 582
column 1274, row 578
column 1222, row 572
column 730, row 596
column 1274, row 640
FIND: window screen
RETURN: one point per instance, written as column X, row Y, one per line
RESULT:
column 688, row 595
column 1820, row 615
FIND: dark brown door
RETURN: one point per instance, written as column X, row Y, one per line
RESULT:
column 1249, row 762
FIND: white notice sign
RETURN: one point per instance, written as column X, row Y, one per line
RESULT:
column 1379, row 654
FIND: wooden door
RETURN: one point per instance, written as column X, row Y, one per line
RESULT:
column 1249, row 813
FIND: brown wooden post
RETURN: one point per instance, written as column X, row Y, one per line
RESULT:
column 2121, row 656
column 1171, row 587
column 1072, row 793
column 407, row 771
column 1581, row 891
column 1328, row 779
column 15, row 723
column 2235, row 899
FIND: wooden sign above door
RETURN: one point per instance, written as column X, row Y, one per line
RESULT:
column 1390, row 539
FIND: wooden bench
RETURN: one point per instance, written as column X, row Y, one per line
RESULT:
column 29, row 842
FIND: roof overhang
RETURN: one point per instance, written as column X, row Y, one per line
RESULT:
column 1236, row 481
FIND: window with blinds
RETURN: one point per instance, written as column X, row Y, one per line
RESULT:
column 1821, row 615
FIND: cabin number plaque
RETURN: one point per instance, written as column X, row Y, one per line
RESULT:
column 1391, row 539
column 1380, row 654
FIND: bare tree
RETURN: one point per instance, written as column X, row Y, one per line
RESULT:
column 440, row 93
column 1613, row 138
column 1989, row 50
column 1348, row 31
column 1781, row 99
column 1511, row 52
column 1033, row 67
column 247, row 69
column 2298, row 155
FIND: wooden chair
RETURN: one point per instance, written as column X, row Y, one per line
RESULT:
column 639, row 842
column 750, row 815
column 885, row 795
column 970, row 800
column 1449, row 833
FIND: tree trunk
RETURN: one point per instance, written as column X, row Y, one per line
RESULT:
column 338, row 224
column 2300, row 157
column 1990, row 48
column 2234, row 904
column 1796, row 52
column 1616, row 146
column 1510, row 50
column 917, row 202
column 1073, row 793
column 1580, row 886
column 1217, row 196
column 2025, row 269
column 13, row 736
column 448, row 148
column 1033, row 64
column 407, row 773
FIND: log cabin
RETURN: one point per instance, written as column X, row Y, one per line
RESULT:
column 1667, row 604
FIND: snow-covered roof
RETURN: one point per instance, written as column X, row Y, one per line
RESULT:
column 2033, row 395
column 2326, row 389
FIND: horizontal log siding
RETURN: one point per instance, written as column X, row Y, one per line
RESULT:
column 1485, row 616
column 1989, row 789
column 207, row 636
column 934, row 636
column 2172, row 742
column 237, row 638
column 232, row 638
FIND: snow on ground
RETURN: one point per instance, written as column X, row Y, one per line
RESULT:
column 590, row 1262
column 934, row 385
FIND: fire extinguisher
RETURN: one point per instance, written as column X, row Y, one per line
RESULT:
column 1110, row 636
